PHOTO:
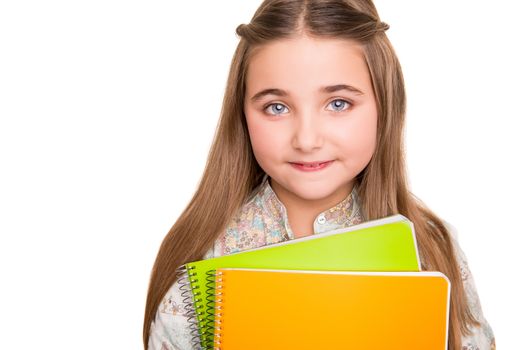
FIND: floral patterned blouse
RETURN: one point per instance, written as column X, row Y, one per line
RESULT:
column 262, row 221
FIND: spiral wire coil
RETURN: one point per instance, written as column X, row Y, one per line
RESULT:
column 192, row 306
column 218, row 296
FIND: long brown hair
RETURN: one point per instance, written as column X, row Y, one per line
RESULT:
column 232, row 175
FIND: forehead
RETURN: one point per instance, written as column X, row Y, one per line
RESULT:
column 307, row 63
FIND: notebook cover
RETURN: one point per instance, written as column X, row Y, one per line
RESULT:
column 276, row 309
column 387, row 244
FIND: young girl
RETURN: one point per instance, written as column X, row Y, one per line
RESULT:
column 310, row 139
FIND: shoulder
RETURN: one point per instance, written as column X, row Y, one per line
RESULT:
column 481, row 337
column 241, row 232
column 245, row 230
column 450, row 228
column 256, row 223
column 460, row 255
column 458, row 251
column 454, row 238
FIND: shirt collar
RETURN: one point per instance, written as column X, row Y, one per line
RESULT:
column 345, row 213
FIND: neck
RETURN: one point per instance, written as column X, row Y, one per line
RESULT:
column 302, row 212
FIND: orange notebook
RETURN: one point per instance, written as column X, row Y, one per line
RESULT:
column 285, row 309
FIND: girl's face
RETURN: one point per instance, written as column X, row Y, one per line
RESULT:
column 311, row 100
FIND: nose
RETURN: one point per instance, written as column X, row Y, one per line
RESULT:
column 307, row 135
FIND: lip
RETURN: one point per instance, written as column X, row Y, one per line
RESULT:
column 310, row 163
column 306, row 166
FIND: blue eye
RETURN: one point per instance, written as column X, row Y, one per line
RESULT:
column 275, row 107
column 278, row 108
column 339, row 103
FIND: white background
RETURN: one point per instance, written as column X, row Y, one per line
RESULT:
column 107, row 113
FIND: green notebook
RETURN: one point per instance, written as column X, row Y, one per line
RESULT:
column 387, row 244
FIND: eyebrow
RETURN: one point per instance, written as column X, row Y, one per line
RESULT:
column 325, row 89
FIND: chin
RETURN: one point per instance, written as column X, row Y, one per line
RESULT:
column 312, row 191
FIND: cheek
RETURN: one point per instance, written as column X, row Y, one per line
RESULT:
column 266, row 141
column 358, row 139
